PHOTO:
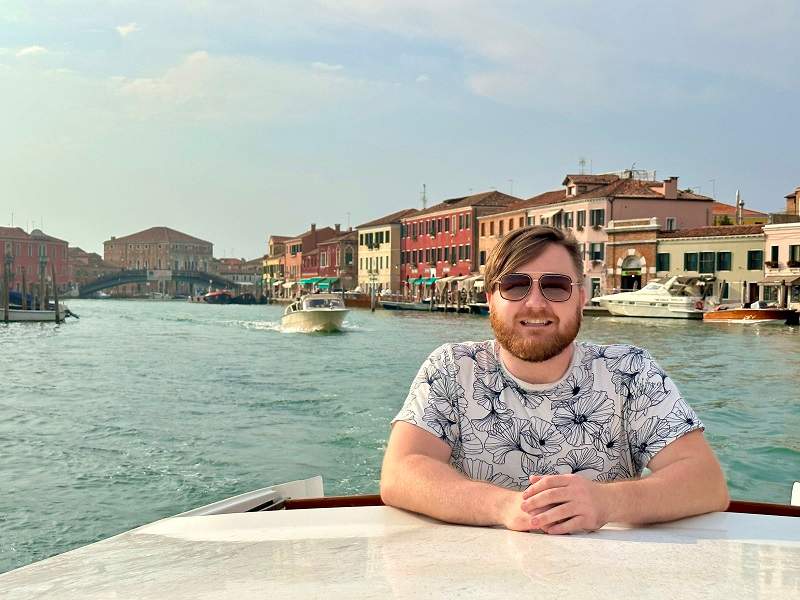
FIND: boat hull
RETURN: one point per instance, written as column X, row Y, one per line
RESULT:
column 325, row 320
column 777, row 316
column 34, row 316
column 627, row 309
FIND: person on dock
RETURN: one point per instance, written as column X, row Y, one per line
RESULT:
column 535, row 431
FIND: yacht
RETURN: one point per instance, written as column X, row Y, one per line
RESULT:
column 315, row 312
column 675, row 298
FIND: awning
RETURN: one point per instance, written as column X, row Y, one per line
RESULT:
column 470, row 282
column 551, row 214
column 440, row 283
column 780, row 280
column 289, row 284
column 311, row 280
column 428, row 281
column 414, row 281
column 326, row 282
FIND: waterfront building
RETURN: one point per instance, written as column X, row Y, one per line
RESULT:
column 27, row 252
column 338, row 262
column 781, row 283
column 730, row 257
column 441, row 241
column 379, row 252
column 725, row 214
column 303, row 245
column 248, row 274
column 161, row 251
column 274, row 264
column 587, row 202
column 85, row 267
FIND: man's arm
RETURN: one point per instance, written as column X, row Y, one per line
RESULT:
column 686, row 480
column 416, row 475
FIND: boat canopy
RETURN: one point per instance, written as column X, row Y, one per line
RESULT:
column 326, row 282
column 780, row 280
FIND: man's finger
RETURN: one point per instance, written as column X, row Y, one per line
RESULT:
column 551, row 496
column 552, row 516
column 551, row 481
column 573, row 525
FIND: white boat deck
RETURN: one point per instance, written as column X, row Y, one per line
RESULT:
column 381, row 552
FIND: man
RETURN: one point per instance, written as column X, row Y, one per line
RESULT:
column 534, row 431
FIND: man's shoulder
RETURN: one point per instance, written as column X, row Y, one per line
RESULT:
column 455, row 351
column 591, row 352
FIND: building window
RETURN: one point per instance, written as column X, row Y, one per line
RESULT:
column 690, row 261
column 671, row 223
column 707, row 262
column 597, row 217
column 483, row 229
column 794, row 253
column 597, row 251
column 452, row 255
column 447, row 224
column 447, row 254
column 724, row 291
column 348, row 257
column 323, row 259
column 511, row 224
column 467, row 252
column 773, row 255
column 724, row 261
column 386, row 236
column 461, row 221
column 501, row 225
column 569, row 220
column 466, row 221
column 530, row 220
column 522, row 221
column 581, row 219
column 491, row 228
column 482, row 256
column 662, row 262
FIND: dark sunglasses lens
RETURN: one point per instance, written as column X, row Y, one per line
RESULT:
column 514, row 286
column 556, row 288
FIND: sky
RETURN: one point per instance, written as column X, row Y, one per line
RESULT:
column 236, row 120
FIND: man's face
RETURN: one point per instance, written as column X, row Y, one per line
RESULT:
column 535, row 329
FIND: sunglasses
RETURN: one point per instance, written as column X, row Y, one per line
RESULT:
column 554, row 287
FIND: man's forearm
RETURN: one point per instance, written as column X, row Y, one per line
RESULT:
column 424, row 485
column 678, row 490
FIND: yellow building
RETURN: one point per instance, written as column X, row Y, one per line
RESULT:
column 379, row 252
column 733, row 254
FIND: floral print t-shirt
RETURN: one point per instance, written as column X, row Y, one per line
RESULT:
column 613, row 410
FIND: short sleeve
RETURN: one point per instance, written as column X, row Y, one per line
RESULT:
column 436, row 399
column 655, row 412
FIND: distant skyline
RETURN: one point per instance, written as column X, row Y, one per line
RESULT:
column 238, row 120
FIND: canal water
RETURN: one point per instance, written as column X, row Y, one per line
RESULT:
column 141, row 410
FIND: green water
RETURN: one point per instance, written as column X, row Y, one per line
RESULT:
column 141, row 410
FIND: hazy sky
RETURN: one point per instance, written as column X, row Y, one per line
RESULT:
column 235, row 120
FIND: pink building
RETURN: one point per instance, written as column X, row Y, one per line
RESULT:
column 26, row 251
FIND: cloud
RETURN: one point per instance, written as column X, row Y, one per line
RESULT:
column 422, row 78
column 326, row 67
column 125, row 30
column 205, row 86
column 31, row 51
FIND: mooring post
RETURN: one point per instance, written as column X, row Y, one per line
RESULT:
column 55, row 289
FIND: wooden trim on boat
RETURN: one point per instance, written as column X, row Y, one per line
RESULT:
column 736, row 506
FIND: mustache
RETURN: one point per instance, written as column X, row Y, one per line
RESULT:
column 532, row 316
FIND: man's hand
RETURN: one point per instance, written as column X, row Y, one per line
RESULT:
column 565, row 504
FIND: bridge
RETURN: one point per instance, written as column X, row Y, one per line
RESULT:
column 143, row 276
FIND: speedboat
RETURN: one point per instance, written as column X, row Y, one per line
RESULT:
column 292, row 541
column 218, row 297
column 753, row 314
column 315, row 312
column 675, row 298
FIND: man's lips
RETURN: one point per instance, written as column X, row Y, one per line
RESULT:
column 536, row 322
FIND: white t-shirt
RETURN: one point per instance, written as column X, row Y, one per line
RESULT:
column 613, row 410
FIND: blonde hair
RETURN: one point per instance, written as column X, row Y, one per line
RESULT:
column 525, row 244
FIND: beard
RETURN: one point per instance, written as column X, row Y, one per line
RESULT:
column 536, row 349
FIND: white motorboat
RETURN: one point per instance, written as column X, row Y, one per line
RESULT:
column 291, row 541
column 675, row 298
column 315, row 312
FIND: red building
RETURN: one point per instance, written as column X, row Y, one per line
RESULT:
column 26, row 250
column 338, row 261
column 441, row 241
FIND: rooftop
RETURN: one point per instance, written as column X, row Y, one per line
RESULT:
column 492, row 198
column 714, row 231
column 720, row 208
column 395, row 217
column 159, row 234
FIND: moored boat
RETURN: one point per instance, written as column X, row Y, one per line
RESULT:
column 315, row 312
column 778, row 316
column 675, row 298
column 17, row 315
column 218, row 297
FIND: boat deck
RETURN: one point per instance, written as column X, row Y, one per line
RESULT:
column 381, row 552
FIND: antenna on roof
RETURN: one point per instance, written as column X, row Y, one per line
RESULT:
column 424, row 196
column 582, row 165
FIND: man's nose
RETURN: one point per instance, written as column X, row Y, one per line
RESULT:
column 535, row 299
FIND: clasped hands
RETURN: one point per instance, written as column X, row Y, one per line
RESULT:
column 558, row 504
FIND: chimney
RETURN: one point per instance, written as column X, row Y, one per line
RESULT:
column 671, row 188
column 313, row 227
column 739, row 208
column 337, row 227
